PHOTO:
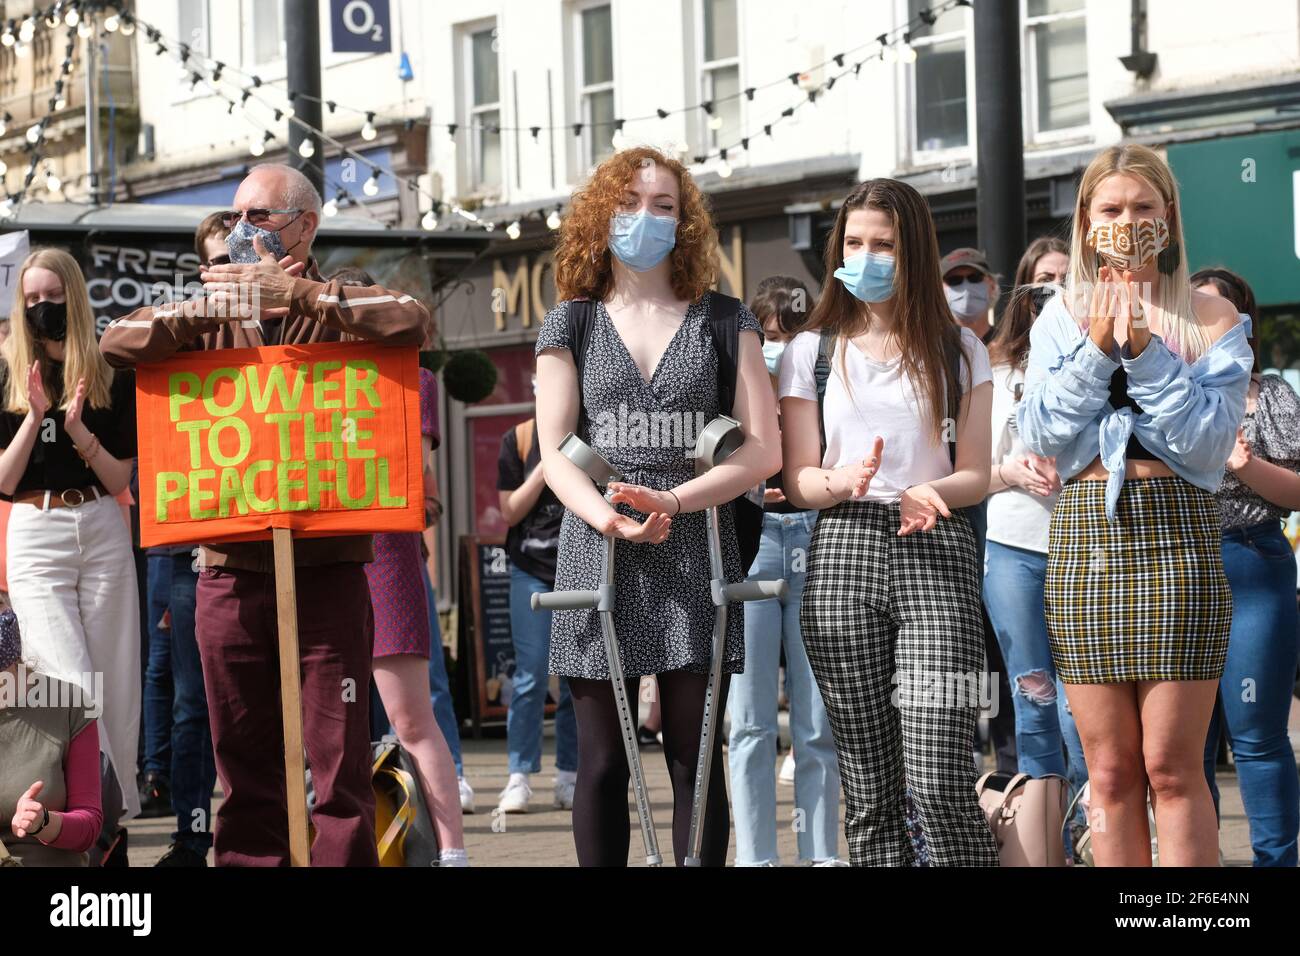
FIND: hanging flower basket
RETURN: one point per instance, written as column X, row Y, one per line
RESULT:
column 469, row 376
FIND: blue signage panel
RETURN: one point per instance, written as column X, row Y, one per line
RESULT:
column 361, row 26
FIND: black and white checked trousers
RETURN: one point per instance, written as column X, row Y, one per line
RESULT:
column 889, row 622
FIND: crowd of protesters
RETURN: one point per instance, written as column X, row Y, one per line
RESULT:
column 1069, row 485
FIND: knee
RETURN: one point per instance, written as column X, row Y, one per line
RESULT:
column 1037, row 687
column 1172, row 776
column 606, row 773
column 1114, row 775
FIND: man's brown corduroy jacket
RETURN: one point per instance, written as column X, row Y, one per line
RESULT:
column 320, row 312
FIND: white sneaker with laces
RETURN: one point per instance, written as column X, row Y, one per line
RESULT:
column 466, row 795
column 565, row 782
column 515, row 797
column 787, row 769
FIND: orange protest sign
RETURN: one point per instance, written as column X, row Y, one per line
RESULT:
column 321, row 439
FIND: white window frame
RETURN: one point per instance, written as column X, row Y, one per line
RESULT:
column 206, row 7
column 275, row 66
column 1029, row 76
column 181, row 91
column 939, row 157
column 583, row 153
column 708, row 138
column 470, row 113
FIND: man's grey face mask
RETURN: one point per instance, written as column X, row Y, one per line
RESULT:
column 240, row 243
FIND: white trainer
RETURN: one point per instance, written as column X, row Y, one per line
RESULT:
column 565, row 783
column 515, row 797
column 466, row 795
column 787, row 769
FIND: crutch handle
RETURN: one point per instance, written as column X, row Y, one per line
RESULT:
column 757, row 590
column 564, row 600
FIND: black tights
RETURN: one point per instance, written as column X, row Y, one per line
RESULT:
column 601, row 820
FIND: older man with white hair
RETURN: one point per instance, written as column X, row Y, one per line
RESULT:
column 274, row 222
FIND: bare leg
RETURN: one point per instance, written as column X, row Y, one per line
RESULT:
column 1111, row 731
column 403, row 682
column 1175, row 717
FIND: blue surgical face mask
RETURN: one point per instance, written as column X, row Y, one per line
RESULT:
column 868, row 275
column 641, row 241
column 240, row 243
column 772, row 352
column 969, row 301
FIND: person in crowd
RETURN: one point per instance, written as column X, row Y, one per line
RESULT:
column 50, row 789
column 1022, row 490
column 640, row 242
column 534, row 514
column 891, row 599
column 1136, row 385
column 782, row 305
column 1260, row 490
column 403, row 641
column 971, row 288
column 179, row 769
column 67, row 430
column 276, row 215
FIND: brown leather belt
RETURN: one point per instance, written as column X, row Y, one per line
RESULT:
column 69, row 498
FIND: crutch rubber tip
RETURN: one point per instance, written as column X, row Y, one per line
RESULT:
column 535, row 600
column 691, row 861
column 655, row 860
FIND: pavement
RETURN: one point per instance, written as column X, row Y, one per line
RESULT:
column 543, row 836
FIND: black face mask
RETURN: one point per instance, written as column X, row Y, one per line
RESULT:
column 48, row 320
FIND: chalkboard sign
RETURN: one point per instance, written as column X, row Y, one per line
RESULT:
column 484, row 632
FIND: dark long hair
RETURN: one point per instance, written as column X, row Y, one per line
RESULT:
column 1237, row 291
column 923, row 323
column 787, row 299
column 1010, row 343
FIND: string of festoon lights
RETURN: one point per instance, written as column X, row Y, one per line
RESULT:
column 892, row 46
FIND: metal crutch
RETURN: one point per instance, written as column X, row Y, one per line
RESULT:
column 602, row 473
column 718, row 441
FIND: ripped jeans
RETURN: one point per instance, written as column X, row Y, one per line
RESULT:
column 1045, row 731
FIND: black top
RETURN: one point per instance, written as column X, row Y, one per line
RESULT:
column 56, row 465
column 1120, row 398
column 534, row 541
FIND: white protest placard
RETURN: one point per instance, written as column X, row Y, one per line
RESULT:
column 14, row 247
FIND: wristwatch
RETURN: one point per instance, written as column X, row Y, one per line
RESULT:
column 45, row 822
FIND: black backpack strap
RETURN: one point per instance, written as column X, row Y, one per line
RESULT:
column 581, row 316
column 952, row 347
column 724, row 323
column 821, row 375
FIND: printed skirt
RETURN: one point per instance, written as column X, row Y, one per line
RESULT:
column 1145, row 598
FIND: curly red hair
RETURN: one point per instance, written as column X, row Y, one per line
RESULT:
column 582, row 258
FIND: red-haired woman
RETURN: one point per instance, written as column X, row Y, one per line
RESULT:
column 640, row 242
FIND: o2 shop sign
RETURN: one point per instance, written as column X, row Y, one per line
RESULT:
column 360, row 26
column 121, row 279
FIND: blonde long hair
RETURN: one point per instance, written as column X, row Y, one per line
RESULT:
column 1173, row 291
column 81, row 358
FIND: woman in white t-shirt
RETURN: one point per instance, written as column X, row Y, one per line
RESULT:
column 891, row 603
column 1022, row 490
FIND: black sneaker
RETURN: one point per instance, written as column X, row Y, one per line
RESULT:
column 182, row 855
column 647, row 737
column 155, row 796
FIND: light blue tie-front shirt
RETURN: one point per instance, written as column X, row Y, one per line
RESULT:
column 1190, row 413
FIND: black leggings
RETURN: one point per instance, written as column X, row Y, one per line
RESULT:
column 601, row 821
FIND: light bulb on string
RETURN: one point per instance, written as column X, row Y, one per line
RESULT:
column 331, row 207
column 256, row 146
column 8, row 38
column 553, row 220
column 27, row 30
column 7, row 209
column 4, row 168
column 368, row 132
column 112, row 22
column 489, row 225
column 34, row 134
column 371, row 188
column 513, row 230
column 22, row 49
column 306, row 149
column 53, row 183
column 73, row 17
column 52, row 19
column 430, row 221
column 60, row 102
column 715, row 123
column 128, row 27
column 84, row 29
column 724, row 167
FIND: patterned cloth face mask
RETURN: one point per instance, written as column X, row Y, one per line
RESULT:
column 1129, row 246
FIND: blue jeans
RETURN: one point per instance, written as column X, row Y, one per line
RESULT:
column 769, row 626
column 178, row 734
column 1255, row 691
column 444, row 708
column 1045, row 730
column 530, row 632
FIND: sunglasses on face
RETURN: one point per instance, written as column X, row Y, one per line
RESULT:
column 220, row 260
column 256, row 217
column 955, row 281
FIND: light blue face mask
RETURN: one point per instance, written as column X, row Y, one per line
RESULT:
column 868, row 275
column 970, row 301
column 772, row 352
column 641, row 241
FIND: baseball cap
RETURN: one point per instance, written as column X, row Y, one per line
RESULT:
column 965, row 256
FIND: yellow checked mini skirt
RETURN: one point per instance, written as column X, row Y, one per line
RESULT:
column 1144, row 598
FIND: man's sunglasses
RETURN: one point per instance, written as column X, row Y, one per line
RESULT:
column 954, row 281
column 220, row 260
column 257, row 217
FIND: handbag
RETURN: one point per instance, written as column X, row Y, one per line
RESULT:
column 1026, row 815
column 7, row 858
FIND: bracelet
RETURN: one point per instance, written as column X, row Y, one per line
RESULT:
column 95, row 446
column 834, row 497
column 679, row 503
column 45, row 822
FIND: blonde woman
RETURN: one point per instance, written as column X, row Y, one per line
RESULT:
column 67, row 430
column 1136, row 385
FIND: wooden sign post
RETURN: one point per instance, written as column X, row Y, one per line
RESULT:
column 280, row 442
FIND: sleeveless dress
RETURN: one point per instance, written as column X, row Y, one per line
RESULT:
column 663, row 613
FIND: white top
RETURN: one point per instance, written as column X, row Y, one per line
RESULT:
column 878, row 401
column 1017, row 517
